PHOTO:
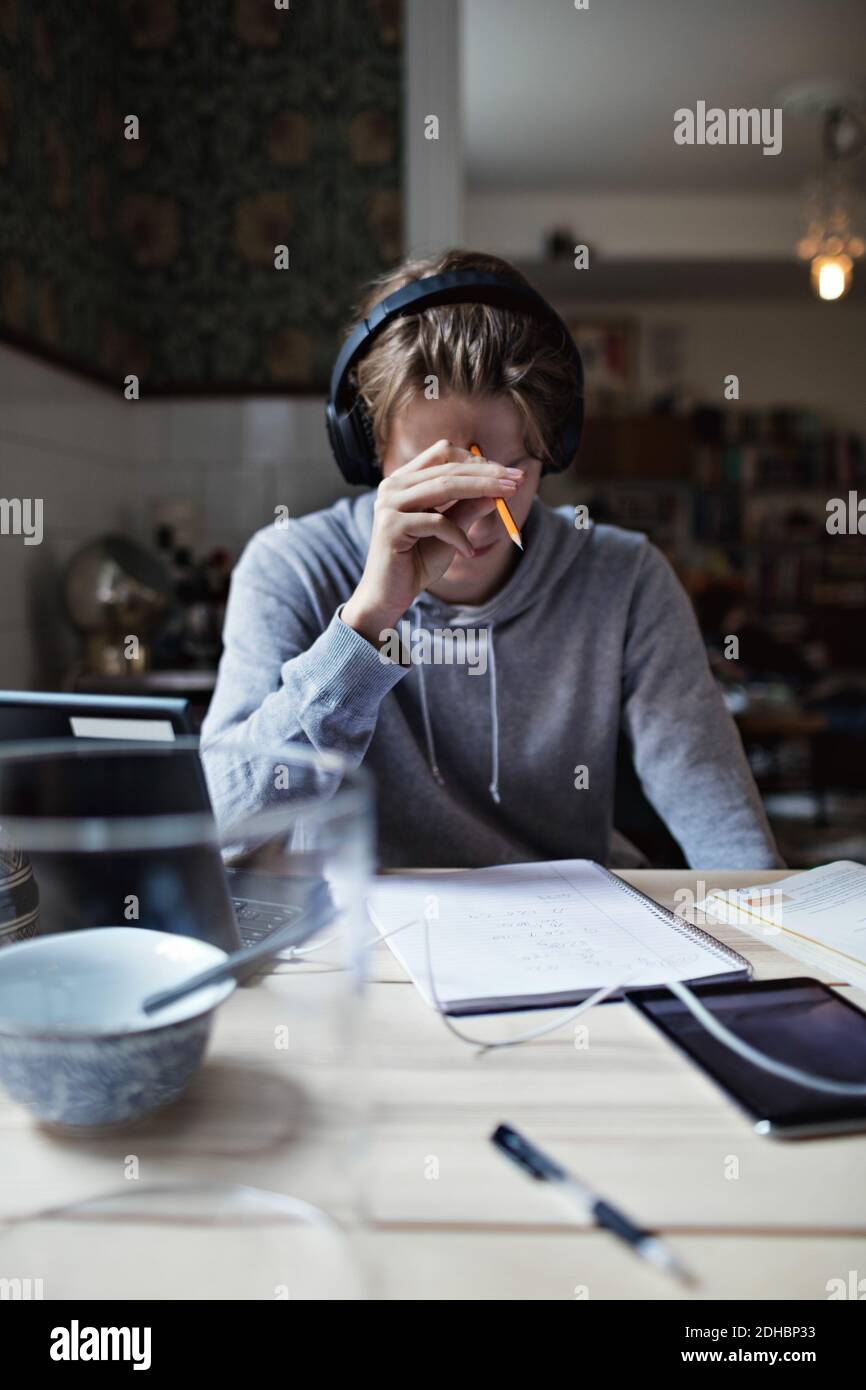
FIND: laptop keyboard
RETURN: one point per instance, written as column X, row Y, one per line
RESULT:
column 257, row 920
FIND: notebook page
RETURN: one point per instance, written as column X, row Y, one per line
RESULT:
column 531, row 929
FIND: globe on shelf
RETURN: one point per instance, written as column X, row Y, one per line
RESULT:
column 116, row 595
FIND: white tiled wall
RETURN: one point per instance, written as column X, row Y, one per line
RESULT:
column 59, row 441
column 235, row 461
column 100, row 463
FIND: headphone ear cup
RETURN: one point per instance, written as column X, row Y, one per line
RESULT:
column 353, row 444
column 335, row 428
column 568, row 443
column 366, row 426
column 365, row 467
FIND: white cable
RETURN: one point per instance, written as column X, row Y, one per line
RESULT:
column 582, row 1007
column 754, row 1055
column 482, row 1043
column 702, row 1015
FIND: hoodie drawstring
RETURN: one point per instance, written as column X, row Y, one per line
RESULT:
column 493, row 786
column 494, row 720
column 425, row 712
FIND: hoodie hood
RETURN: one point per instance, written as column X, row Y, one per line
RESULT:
column 551, row 546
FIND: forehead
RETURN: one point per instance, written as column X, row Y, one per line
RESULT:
column 492, row 422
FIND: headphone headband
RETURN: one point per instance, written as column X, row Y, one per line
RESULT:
column 349, row 427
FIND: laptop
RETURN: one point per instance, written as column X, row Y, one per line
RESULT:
column 187, row 890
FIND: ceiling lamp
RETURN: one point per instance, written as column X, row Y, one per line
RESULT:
column 830, row 242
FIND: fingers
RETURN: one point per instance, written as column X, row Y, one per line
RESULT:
column 443, row 452
column 448, row 483
column 437, row 495
column 417, row 526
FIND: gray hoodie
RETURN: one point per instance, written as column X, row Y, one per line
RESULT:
column 508, row 755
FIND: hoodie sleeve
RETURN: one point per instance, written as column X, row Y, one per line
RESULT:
column 686, row 748
column 292, row 675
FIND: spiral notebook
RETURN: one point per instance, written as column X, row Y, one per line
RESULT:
column 525, row 936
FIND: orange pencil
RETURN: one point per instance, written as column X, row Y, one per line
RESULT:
column 504, row 514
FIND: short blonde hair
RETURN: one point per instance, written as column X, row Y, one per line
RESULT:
column 472, row 350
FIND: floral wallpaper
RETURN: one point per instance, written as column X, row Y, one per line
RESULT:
column 257, row 126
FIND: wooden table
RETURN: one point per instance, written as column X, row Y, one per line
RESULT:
column 446, row 1217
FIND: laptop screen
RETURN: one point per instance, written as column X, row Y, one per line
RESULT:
column 181, row 890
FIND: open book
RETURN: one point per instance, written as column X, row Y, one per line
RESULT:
column 818, row 916
column 528, row 936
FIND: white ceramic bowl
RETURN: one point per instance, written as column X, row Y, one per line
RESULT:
column 75, row 1046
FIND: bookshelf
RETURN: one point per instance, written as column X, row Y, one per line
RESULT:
column 742, row 494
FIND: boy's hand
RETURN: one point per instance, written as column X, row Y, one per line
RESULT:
column 419, row 521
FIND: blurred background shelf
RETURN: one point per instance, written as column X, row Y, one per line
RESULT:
column 675, row 280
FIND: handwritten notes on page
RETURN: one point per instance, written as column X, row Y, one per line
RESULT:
column 534, row 935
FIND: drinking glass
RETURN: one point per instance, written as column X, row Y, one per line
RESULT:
column 247, row 1184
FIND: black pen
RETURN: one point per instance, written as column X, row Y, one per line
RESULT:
column 544, row 1169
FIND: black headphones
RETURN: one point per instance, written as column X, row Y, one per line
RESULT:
column 350, row 429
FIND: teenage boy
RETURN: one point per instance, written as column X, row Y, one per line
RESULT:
column 508, row 752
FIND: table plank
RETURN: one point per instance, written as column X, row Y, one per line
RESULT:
column 578, row 1266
